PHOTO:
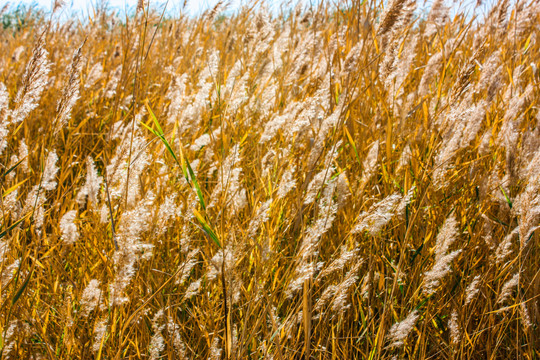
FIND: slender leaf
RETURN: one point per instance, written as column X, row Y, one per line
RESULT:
column 11, row 169
column 196, row 184
column 4, row 233
column 13, row 188
column 159, row 133
column 22, row 288
column 207, row 228
column 506, row 197
column 351, row 141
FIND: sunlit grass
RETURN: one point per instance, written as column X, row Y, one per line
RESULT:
column 330, row 183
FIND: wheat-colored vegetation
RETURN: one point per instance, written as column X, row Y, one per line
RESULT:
column 358, row 181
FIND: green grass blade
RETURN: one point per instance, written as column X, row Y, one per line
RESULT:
column 159, row 133
column 22, row 288
column 11, row 169
column 207, row 229
column 183, row 162
column 154, row 118
column 196, row 184
column 506, row 197
column 4, row 233
column 351, row 141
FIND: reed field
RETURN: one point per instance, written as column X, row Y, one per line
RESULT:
column 341, row 180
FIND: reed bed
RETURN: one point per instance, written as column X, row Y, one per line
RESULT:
column 350, row 180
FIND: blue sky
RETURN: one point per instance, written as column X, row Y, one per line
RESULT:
column 193, row 7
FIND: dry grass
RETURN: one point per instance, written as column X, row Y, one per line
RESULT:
column 360, row 183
